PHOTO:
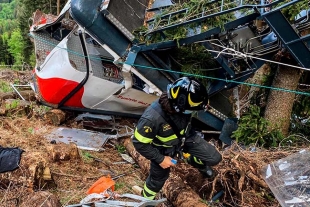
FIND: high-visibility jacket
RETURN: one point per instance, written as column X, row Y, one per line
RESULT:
column 153, row 132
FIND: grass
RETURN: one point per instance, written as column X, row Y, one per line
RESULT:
column 41, row 109
column 13, row 105
column 86, row 156
column 120, row 148
column 119, row 185
column 5, row 87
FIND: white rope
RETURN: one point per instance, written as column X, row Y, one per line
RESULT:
column 301, row 84
column 237, row 53
column 271, row 61
column 279, row 63
column 243, row 55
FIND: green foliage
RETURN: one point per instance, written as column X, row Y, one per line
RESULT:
column 8, row 23
column 195, row 60
column 31, row 130
column 7, row 11
column 194, row 9
column 302, row 106
column 254, row 129
column 86, row 156
column 41, row 110
column 121, row 148
column 291, row 11
column 6, row 56
column 16, row 47
column 5, row 87
column 13, row 105
column 119, row 185
column 300, row 121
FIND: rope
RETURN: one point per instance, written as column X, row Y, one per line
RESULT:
column 225, row 80
column 246, row 55
column 185, row 73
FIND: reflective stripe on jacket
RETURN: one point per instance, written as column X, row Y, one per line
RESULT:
column 153, row 129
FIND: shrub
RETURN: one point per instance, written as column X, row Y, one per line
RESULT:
column 254, row 129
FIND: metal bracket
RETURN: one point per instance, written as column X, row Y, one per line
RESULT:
column 14, row 86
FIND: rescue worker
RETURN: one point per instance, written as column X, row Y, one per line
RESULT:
column 164, row 130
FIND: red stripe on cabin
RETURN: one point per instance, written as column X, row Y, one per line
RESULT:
column 53, row 90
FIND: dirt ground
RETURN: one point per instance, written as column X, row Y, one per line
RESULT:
column 238, row 175
column 71, row 178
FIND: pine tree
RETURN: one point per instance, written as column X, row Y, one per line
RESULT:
column 25, row 12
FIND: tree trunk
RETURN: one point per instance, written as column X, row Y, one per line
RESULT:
column 63, row 152
column 178, row 193
column 55, row 116
column 280, row 104
column 33, row 173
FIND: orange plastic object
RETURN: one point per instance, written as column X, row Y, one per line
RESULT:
column 102, row 185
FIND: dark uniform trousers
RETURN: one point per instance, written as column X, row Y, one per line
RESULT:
column 203, row 153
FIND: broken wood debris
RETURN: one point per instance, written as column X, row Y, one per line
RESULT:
column 238, row 176
column 63, row 152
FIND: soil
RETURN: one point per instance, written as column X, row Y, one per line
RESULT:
column 71, row 178
column 238, row 175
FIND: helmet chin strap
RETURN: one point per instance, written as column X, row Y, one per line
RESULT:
column 176, row 108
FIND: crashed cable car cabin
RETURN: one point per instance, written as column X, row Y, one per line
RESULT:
column 80, row 63
column 87, row 58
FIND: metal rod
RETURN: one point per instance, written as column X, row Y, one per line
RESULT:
column 211, row 132
column 12, row 85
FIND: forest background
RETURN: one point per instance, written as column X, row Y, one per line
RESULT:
column 15, row 18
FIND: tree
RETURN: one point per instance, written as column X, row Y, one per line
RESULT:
column 26, row 9
column 16, row 46
column 280, row 104
column 6, row 55
column 2, row 51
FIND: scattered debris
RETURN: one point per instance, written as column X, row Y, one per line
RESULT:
column 128, row 158
column 289, row 179
column 55, row 116
column 15, row 88
column 101, row 193
column 116, row 203
column 63, row 152
column 106, row 162
column 84, row 139
column 9, row 159
column 84, row 116
column 101, row 185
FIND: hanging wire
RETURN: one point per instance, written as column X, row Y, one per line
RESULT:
column 189, row 74
column 246, row 55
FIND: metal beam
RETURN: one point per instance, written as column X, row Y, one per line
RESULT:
column 288, row 36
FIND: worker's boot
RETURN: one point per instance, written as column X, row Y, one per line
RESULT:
column 138, row 191
column 206, row 171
